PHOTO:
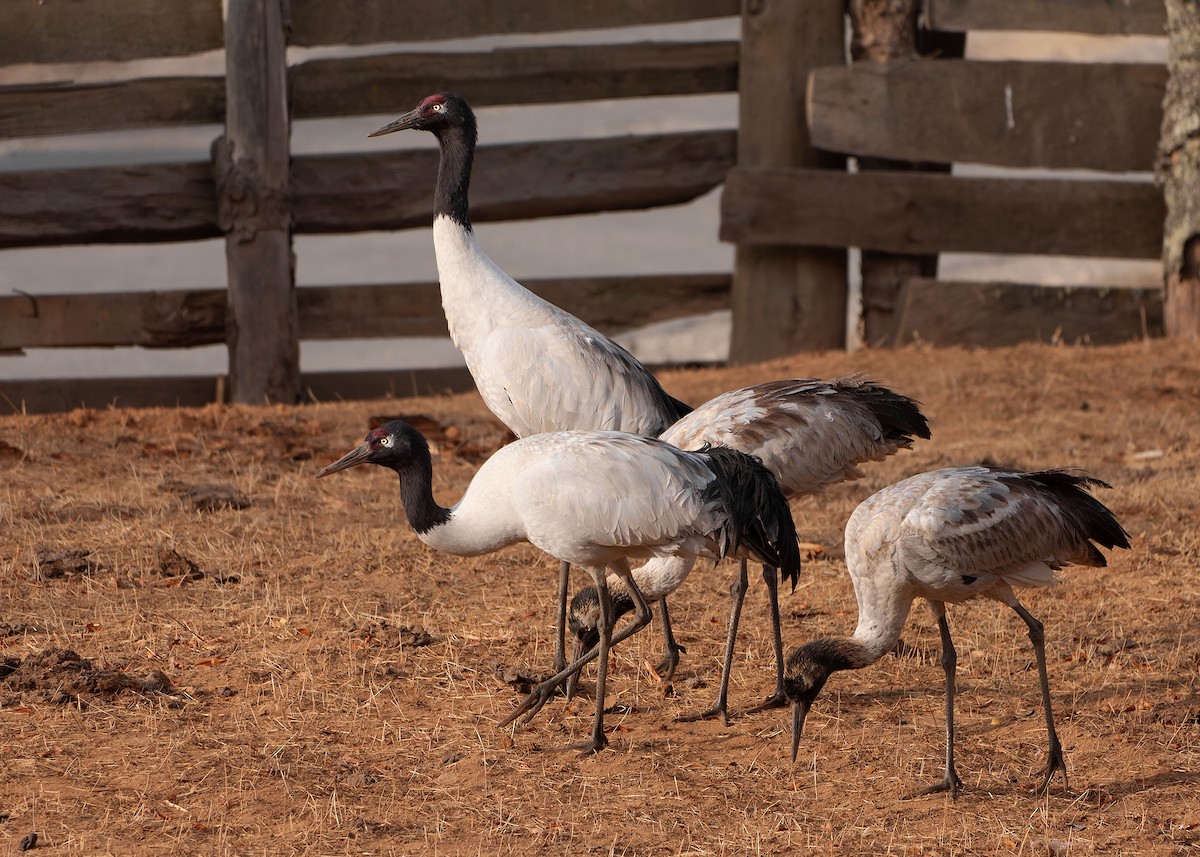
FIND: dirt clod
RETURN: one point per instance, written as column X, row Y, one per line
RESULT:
column 62, row 677
column 51, row 563
column 28, row 842
column 171, row 563
column 209, row 498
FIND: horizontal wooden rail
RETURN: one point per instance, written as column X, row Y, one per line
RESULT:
column 991, row 315
column 181, row 319
column 349, row 193
column 65, row 31
column 1016, row 114
column 1100, row 17
column 393, row 83
column 50, row 395
column 319, row 22
column 935, row 213
column 382, row 84
column 394, row 190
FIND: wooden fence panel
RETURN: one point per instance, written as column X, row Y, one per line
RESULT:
column 932, row 213
column 998, row 314
column 350, row 193
column 64, row 31
column 129, row 204
column 358, row 22
column 182, row 319
column 394, row 190
column 393, row 83
column 1102, row 17
column 149, row 102
column 64, row 394
column 382, row 84
column 1017, row 114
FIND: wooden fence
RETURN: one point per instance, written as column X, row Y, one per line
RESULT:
column 939, row 111
column 250, row 194
column 789, row 203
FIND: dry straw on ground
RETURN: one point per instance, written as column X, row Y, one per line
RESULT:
column 334, row 685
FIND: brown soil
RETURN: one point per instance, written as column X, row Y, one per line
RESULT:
column 203, row 650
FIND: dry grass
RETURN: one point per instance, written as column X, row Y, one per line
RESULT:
column 312, row 715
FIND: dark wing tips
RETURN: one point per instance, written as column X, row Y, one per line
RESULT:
column 760, row 517
column 899, row 416
column 1094, row 520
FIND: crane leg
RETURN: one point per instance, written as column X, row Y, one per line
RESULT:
column 671, row 649
column 560, row 639
column 641, row 618
column 950, row 782
column 778, row 699
column 543, row 692
column 1037, row 636
column 737, row 593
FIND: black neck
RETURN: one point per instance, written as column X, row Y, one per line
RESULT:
column 416, row 491
column 454, row 172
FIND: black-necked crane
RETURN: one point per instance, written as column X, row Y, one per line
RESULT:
column 596, row 499
column 538, row 368
column 949, row 536
column 810, row 434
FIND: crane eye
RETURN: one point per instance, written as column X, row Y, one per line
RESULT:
column 385, row 440
column 439, row 108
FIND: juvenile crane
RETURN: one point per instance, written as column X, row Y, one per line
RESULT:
column 949, row 536
column 595, row 499
column 810, row 434
column 538, row 368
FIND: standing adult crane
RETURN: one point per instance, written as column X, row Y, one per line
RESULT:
column 595, row 499
column 810, row 434
column 537, row 367
column 949, row 536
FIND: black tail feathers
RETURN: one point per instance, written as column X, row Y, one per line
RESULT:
column 760, row 519
column 1094, row 520
column 899, row 416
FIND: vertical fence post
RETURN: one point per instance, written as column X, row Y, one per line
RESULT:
column 1178, row 171
column 785, row 299
column 252, row 170
column 887, row 31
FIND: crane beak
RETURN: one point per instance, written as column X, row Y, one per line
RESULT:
column 350, row 459
column 799, row 713
column 408, row 120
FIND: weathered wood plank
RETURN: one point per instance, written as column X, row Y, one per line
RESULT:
column 349, row 193
column 380, row 84
column 56, row 108
column 1018, row 114
column 252, row 169
column 394, row 190
column 610, row 304
column 127, row 204
column 318, row 22
column 1102, row 17
column 960, row 313
column 930, row 213
column 64, row 394
column 182, row 319
column 532, row 75
column 63, row 31
column 173, row 319
column 785, row 299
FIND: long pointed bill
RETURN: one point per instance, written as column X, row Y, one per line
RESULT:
column 799, row 713
column 351, row 458
column 408, row 120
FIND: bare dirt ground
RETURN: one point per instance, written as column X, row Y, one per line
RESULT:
column 203, row 650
